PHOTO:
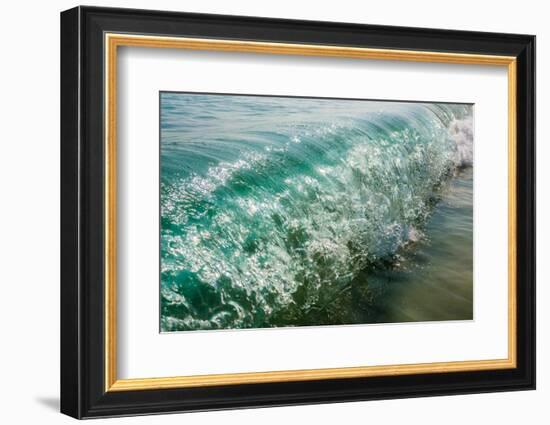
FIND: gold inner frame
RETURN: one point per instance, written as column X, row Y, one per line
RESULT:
column 113, row 41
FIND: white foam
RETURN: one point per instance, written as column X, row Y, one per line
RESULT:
column 461, row 132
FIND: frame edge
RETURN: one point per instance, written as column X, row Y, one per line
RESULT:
column 526, row 181
column 70, row 349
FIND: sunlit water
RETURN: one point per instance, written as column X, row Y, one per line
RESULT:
column 293, row 212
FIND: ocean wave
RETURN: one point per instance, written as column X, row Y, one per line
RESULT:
column 290, row 211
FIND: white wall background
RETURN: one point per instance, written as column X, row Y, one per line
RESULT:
column 29, row 213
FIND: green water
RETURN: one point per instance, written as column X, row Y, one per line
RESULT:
column 308, row 212
column 427, row 280
column 435, row 280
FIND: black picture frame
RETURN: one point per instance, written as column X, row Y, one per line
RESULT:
column 83, row 392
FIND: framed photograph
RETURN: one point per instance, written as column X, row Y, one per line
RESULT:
column 261, row 212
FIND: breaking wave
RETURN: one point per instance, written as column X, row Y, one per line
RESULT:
column 268, row 204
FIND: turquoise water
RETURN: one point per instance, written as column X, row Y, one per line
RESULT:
column 291, row 211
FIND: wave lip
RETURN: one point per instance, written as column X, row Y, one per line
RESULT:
column 284, row 213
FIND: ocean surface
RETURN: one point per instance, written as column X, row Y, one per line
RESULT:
column 306, row 212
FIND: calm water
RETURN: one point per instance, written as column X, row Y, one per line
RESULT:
column 293, row 212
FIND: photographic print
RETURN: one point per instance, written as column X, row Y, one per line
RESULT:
column 290, row 211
